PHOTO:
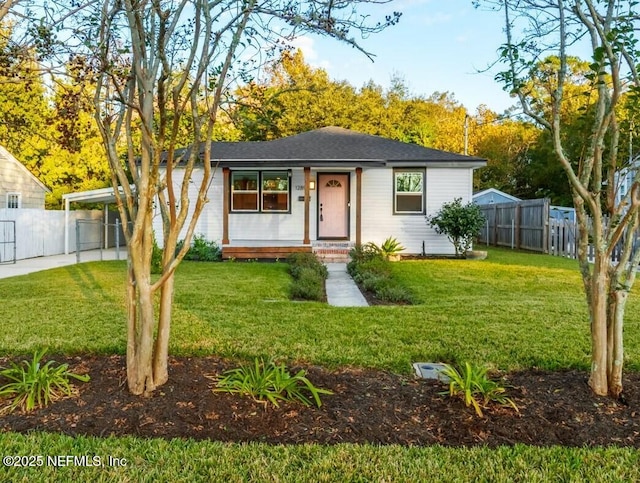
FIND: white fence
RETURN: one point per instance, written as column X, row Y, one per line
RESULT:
column 41, row 232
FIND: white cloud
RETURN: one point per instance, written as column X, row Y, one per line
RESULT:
column 307, row 46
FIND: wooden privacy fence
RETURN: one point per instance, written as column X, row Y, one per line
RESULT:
column 527, row 225
column 520, row 225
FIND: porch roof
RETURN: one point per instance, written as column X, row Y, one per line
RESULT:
column 332, row 147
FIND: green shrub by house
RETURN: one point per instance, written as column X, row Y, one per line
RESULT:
column 309, row 275
column 370, row 268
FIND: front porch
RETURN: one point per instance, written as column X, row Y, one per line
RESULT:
column 327, row 251
column 303, row 220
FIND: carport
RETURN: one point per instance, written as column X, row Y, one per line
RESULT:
column 102, row 195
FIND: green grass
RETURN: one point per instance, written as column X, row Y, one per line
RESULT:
column 511, row 311
column 151, row 460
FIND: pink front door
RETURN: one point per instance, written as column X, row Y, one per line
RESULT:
column 333, row 205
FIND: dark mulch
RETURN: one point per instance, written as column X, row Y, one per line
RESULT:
column 368, row 406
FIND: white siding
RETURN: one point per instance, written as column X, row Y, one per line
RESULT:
column 210, row 222
column 379, row 222
column 15, row 178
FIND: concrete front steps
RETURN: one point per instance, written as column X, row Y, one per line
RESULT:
column 333, row 251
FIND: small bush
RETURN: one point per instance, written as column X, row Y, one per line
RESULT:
column 309, row 274
column 34, row 385
column 363, row 253
column 395, row 294
column 156, row 258
column 203, row 250
column 309, row 285
column 371, row 270
column 269, row 383
column 300, row 260
column 472, row 385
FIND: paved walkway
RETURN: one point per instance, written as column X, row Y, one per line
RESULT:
column 30, row 265
column 342, row 291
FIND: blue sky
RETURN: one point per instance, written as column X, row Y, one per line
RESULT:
column 438, row 45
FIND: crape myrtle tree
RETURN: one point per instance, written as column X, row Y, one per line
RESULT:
column 156, row 65
column 536, row 30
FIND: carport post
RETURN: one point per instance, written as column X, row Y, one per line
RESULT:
column 106, row 225
column 66, row 226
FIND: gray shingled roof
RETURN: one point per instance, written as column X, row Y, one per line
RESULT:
column 331, row 146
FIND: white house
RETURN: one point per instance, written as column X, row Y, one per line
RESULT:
column 328, row 189
column 18, row 187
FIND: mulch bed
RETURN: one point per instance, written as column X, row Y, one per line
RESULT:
column 556, row 408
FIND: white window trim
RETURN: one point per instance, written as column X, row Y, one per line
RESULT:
column 408, row 193
column 12, row 194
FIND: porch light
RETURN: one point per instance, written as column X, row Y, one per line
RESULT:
column 312, row 185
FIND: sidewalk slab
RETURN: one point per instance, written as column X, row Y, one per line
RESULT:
column 30, row 265
column 342, row 291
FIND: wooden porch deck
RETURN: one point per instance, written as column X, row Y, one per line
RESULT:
column 262, row 249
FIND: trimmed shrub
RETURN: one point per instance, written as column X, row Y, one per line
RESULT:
column 202, row 250
column 371, row 270
column 298, row 261
column 309, row 275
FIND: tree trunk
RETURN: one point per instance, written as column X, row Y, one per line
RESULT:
column 615, row 342
column 598, row 381
column 140, row 356
column 161, row 355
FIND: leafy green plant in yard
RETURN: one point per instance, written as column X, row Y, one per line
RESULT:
column 474, row 387
column 308, row 286
column 460, row 223
column 35, row 385
column 269, row 383
column 201, row 250
column 309, row 274
column 391, row 248
column 363, row 253
column 371, row 270
column 156, row 258
column 301, row 260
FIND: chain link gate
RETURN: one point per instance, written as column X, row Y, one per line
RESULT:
column 7, row 241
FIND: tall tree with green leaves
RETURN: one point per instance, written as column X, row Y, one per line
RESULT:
column 536, row 30
column 155, row 64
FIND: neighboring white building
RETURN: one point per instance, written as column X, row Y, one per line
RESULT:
column 18, row 187
column 624, row 179
column 329, row 187
column 491, row 196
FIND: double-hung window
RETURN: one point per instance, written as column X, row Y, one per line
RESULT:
column 408, row 191
column 244, row 191
column 275, row 191
column 260, row 191
column 13, row 200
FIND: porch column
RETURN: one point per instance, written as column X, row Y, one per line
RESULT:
column 307, row 178
column 225, row 206
column 358, row 206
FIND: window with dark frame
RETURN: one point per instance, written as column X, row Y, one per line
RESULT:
column 260, row 191
column 408, row 191
column 13, row 200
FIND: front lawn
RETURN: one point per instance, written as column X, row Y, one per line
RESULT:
column 511, row 311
